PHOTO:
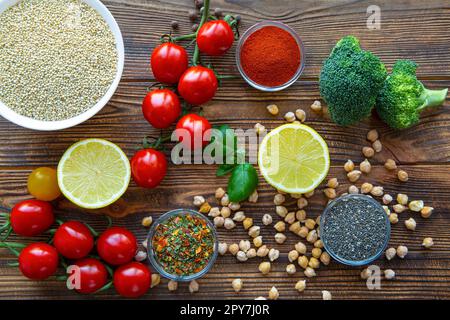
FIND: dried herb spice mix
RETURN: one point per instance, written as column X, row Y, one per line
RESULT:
column 355, row 228
column 183, row 244
column 58, row 58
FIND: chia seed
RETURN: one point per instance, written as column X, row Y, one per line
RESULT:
column 57, row 58
column 354, row 228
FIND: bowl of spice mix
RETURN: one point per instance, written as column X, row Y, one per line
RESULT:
column 182, row 245
column 270, row 56
column 355, row 229
column 60, row 61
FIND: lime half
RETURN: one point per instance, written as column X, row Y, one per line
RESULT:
column 294, row 158
column 93, row 173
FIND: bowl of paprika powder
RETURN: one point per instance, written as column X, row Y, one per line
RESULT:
column 270, row 56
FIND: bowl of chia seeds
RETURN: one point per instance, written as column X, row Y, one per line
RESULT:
column 355, row 229
column 60, row 61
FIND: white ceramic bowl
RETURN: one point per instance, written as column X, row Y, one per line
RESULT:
column 63, row 124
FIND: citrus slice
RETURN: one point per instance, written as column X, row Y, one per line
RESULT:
column 294, row 158
column 93, row 173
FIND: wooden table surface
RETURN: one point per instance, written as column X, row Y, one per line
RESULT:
column 409, row 29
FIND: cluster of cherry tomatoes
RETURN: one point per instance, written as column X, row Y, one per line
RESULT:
column 196, row 84
column 95, row 255
column 76, row 242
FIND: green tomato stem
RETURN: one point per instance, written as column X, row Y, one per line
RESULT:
column 205, row 15
column 185, row 37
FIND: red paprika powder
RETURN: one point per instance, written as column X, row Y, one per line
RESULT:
column 270, row 56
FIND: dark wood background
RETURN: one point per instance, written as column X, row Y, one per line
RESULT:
column 410, row 29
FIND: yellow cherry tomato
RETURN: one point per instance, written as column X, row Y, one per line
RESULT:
column 43, row 184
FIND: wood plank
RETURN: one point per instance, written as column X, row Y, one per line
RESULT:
column 426, row 142
column 409, row 30
column 422, row 273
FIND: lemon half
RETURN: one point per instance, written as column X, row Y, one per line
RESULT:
column 93, row 173
column 294, row 158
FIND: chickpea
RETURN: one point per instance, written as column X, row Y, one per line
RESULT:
column 303, row 262
column 354, row 175
column 402, row 199
column 259, row 128
column 333, row 183
column 372, row 135
column 402, row 175
column 330, row 193
column 273, row 109
column 326, row 295
column 251, row 253
column 318, row 244
column 293, row 255
column 241, row 256
column 280, row 238
column 290, row 218
column 365, row 166
column 237, row 285
column 390, row 253
column 290, row 269
column 257, row 241
column 253, row 197
column 300, row 215
column 303, row 232
column 300, row 247
column 172, row 285
column 205, row 208
column 309, row 194
column 387, row 198
column 402, row 251
column 316, row 252
column 300, row 115
column 264, row 267
column 310, row 223
column 349, row 166
column 427, row 242
column 399, row 208
column 313, row 263
column 262, row 251
column 366, row 187
column 273, row 254
column 353, row 189
column 247, row 223
column 390, row 164
column 234, row 206
column 316, row 106
column 295, row 227
column 193, row 286
column 426, row 212
column 312, row 236
column 325, row 258
column 389, row 274
column 223, row 248
column 244, row 245
column 281, row 211
column 416, row 205
column 300, row 285
column 368, row 152
column 147, row 221
column 233, row 248
column 280, row 226
column 411, row 224
column 239, row 216
column 226, row 213
column 219, row 221
column 225, row 201
column 366, row 273
column 309, row 272
column 229, row 224
column 219, row 193
column 156, row 279
column 289, row 116
column 279, row 199
column 377, row 146
column 267, row 219
column 273, row 294
column 214, row 212
column 198, row 201
column 254, row 231
column 302, row 203
column 393, row 218
column 377, row 191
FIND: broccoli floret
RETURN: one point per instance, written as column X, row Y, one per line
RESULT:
column 350, row 81
column 403, row 97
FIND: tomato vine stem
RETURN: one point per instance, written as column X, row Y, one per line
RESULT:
column 205, row 15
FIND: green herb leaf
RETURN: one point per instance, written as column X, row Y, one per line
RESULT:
column 224, row 169
column 228, row 142
column 242, row 183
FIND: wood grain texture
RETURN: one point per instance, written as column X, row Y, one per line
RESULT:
column 409, row 30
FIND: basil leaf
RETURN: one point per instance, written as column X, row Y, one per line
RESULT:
column 224, row 169
column 242, row 183
column 228, row 143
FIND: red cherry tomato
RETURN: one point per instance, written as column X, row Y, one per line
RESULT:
column 148, row 167
column 73, row 240
column 117, row 246
column 93, row 275
column 193, row 127
column 161, row 108
column 31, row 217
column 215, row 38
column 132, row 280
column 168, row 62
column 38, row 261
column 198, row 85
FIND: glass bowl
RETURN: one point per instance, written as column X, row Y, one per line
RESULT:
column 153, row 258
column 343, row 260
column 256, row 27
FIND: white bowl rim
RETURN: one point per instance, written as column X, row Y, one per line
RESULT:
column 40, row 125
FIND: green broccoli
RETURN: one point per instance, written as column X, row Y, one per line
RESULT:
column 350, row 81
column 403, row 97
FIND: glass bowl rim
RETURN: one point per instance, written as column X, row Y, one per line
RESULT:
column 258, row 26
column 151, row 255
column 351, row 262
